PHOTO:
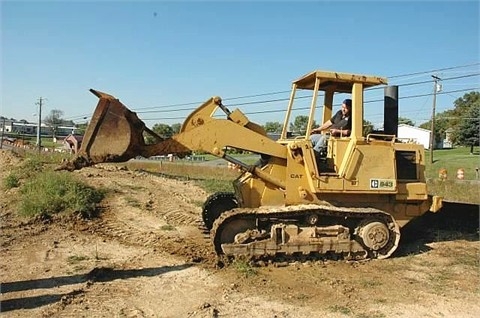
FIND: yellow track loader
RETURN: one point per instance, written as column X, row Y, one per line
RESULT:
column 351, row 202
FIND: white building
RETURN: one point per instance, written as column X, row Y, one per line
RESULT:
column 24, row 127
column 417, row 134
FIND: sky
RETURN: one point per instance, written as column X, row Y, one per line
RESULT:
column 162, row 59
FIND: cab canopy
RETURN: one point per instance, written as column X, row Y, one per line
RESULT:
column 331, row 83
column 339, row 82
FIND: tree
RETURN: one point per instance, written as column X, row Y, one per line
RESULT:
column 176, row 128
column 367, row 127
column 80, row 128
column 273, row 127
column 69, row 123
column 299, row 126
column 164, row 130
column 442, row 122
column 461, row 120
column 53, row 120
column 406, row 121
column 466, row 120
column 467, row 132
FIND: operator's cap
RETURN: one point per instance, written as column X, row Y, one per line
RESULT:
column 348, row 102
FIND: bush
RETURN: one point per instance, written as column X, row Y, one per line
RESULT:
column 11, row 181
column 51, row 192
column 33, row 163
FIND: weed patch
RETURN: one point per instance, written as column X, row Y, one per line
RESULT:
column 369, row 283
column 373, row 314
column 51, row 192
column 244, row 267
column 74, row 259
column 341, row 309
column 167, row 227
column 11, row 181
column 133, row 202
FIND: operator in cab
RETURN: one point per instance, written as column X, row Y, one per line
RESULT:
column 339, row 125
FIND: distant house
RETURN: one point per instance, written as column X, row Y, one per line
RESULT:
column 419, row 135
column 447, row 141
column 6, row 125
column 73, row 143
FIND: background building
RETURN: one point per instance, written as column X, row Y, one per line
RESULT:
column 417, row 134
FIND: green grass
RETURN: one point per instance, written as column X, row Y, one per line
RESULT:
column 11, row 181
column 47, row 142
column 452, row 160
column 32, row 164
column 50, row 192
column 244, row 267
column 452, row 189
column 46, row 192
column 213, row 185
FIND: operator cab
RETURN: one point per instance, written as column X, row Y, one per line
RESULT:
column 329, row 85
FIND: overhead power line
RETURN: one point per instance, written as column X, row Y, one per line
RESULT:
column 308, row 107
column 287, row 91
column 299, row 97
column 166, row 108
column 140, row 110
column 435, row 71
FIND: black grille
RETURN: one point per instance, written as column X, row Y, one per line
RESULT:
column 406, row 165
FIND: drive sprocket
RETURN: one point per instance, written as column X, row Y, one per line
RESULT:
column 215, row 205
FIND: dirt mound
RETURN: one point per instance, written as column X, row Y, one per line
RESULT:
column 8, row 160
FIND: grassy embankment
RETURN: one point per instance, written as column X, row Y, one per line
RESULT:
column 453, row 189
column 41, row 191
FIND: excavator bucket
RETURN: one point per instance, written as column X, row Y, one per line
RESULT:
column 116, row 134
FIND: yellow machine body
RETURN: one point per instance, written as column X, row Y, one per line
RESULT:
column 290, row 202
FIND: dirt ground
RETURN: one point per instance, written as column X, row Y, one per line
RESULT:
column 146, row 256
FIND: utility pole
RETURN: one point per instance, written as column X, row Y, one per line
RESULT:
column 39, row 135
column 436, row 89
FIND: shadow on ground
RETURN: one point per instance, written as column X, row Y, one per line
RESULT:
column 455, row 221
column 100, row 274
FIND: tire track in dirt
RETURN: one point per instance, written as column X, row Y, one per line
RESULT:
column 160, row 214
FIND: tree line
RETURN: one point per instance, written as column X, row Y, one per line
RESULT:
column 462, row 122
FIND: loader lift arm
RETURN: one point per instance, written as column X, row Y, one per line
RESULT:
column 116, row 134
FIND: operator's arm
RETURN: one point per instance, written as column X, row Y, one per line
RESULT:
column 325, row 125
column 339, row 132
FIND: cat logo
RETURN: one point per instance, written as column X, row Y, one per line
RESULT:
column 296, row 176
column 382, row 184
